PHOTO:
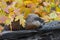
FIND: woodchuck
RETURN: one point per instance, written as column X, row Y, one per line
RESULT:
column 33, row 21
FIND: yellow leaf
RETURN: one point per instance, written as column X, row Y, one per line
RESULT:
column 53, row 15
column 11, row 13
column 0, row 3
column 17, row 18
column 19, row 3
column 57, row 18
column 11, row 9
column 48, row 9
column 57, row 9
column 46, row 0
column 22, row 20
column 27, row 11
column 6, row 0
column 3, row 4
column 35, row 1
column 1, row 28
column 8, row 21
column 22, row 9
column 52, row 0
column 11, row 16
column 27, row 2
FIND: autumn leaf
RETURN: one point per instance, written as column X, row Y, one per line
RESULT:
column 11, row 9
column 57, row 9
column 6, row 0
column 2, row 13
column 53, row 15
column 27, row 2
column 6, row 10
column 3, row 19
column 1, row 28
column 11, row 16
column 35, row 1
column 58, row 18
column 7, row 22
column 52, row 4
column 22, row 20
column 17, row 18
column 27, row 11
column 52, row 0
column 18, row 3
column 3, row 4
column 46, row 0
